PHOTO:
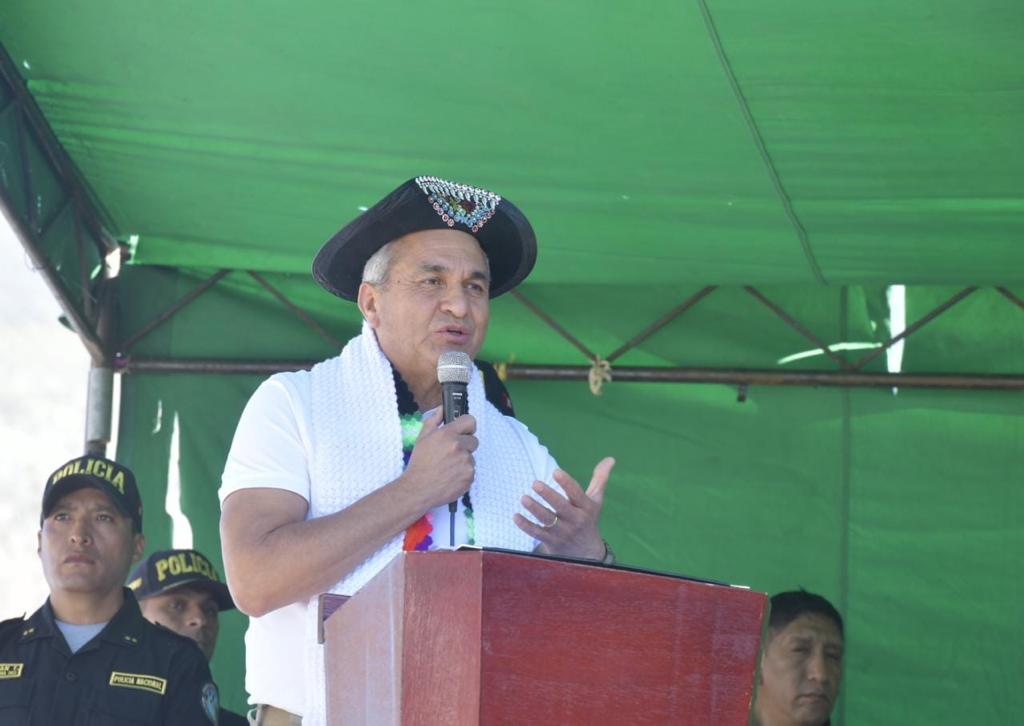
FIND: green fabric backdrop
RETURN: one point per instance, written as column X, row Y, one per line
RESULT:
column 903, row 508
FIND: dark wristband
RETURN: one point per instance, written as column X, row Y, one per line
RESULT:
column 609, row 556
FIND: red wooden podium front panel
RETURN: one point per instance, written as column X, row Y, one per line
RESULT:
column 441, row 665
column 571, row 644
column 471, row 638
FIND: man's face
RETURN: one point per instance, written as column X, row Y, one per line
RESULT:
column 188, row 611
column 800, row 673
column 435, row 300
column 86, row 545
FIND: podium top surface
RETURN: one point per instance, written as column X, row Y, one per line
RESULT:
column 592, row 563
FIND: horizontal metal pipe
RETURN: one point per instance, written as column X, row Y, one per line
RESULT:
column 737, row 376
column 124, row 364
column 623, row 374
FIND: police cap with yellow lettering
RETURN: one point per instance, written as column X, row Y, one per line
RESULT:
column 169, row 569
column 111, row 478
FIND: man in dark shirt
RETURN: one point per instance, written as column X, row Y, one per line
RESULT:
column 802, row 662
column 87, row 656
column 182, row 590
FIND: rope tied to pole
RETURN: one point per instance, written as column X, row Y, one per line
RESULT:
column 600, row 373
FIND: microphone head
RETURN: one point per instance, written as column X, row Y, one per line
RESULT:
column 454, row 366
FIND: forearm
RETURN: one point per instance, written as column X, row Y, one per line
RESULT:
column 269, row 567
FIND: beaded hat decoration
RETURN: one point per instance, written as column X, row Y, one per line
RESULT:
column 425, row 203
column 470, row 206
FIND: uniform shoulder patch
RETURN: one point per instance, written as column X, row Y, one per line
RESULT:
column 11, row 670
column 211, row 702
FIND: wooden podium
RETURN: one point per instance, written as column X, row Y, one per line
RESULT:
column 491, row 637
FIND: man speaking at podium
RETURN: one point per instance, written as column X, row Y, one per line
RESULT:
column 335, row 471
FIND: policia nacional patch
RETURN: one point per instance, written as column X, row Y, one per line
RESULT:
column 139, row 681
column 209, row 698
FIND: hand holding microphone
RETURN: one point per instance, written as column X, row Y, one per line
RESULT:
column 442, row 458
column 453, row 370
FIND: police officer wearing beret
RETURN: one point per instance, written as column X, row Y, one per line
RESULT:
column 182, row 590
column 87, row 656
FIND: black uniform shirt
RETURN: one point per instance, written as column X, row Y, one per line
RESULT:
column 133, row 672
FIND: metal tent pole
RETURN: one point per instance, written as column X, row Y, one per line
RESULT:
column 99, row 406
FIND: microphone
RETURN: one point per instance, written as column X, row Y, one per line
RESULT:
column 453, row 369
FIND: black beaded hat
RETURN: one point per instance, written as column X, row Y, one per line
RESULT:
column 428, row 202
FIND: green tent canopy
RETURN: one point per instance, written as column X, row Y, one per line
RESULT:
column 732, row 193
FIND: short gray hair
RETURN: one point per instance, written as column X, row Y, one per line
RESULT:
column 376, row 269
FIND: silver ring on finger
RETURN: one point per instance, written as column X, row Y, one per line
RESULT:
column 549, row 526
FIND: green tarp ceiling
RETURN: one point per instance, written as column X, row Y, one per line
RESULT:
column 241, row 134
column 818, row 151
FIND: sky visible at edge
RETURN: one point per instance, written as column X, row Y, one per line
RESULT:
column 42, row 417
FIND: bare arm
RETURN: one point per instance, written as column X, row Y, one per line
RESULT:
column 274, row 556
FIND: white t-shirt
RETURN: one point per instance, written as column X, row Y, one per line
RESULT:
column 272, row 448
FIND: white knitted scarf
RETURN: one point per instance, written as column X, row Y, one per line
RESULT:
column 357, row 445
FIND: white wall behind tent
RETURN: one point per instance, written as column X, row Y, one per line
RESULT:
column 43, row 373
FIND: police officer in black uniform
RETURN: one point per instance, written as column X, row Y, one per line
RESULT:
column 182, row 590
column 87, row 657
